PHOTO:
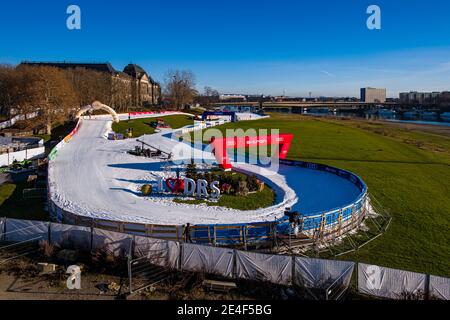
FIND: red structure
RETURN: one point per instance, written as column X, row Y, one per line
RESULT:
column 220, row 146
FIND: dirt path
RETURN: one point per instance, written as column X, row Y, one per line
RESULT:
column 44, row 287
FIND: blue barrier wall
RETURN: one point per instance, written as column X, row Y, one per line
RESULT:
column 255, row 233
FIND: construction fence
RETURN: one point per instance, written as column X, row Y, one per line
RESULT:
column 331, row 277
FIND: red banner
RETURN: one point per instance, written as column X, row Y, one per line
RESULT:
column 220, row 146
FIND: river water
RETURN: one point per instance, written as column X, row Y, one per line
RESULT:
column 413, row 116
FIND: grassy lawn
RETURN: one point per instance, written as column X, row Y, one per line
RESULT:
column 142, row 126
column 407, row 171
column 13, row 205
column 253, row 201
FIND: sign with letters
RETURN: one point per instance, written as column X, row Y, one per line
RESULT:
column 190, row 187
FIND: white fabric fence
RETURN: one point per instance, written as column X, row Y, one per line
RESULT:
column 71, row 237
column 206, row 259
column 25, row 230
column 319, row 273
column 7, row 159
column 117, row 244
column 13, row 121
column 160, row 252
column 284, row 270
column 264, row 267
column 439, row 288
column 390, row 283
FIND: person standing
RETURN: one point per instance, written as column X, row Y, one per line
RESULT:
column 187, row 233
column 294, row 221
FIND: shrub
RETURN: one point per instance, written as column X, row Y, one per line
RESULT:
column 47, row 249
column 253, row 183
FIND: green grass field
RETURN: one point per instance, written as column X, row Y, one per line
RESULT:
column 142, row 126
column 407, row 171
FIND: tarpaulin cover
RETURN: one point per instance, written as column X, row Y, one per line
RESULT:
column 160, row 252
column 70, row 237
column 389, row 283
column 115, row 243
column 23, row 230
column 264, row 267
column 206, row 259
column 440, row 288
column 319, row 273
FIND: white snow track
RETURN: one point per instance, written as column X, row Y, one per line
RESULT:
column 97, row 178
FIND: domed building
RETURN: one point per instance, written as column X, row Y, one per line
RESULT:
column 131, row 88
column 144, row 90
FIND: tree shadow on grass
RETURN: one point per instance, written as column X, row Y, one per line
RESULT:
column 16, row 206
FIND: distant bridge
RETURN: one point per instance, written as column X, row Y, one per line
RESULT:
column 302, row 104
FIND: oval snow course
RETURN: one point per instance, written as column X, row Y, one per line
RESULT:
column 97, row 178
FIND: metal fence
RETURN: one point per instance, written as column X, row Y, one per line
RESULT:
column 316, row 228
column 150, row 259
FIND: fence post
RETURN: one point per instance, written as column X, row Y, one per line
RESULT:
column 234, row 272
column 274, row 235
column 5, row 220
column 92, row 238
column 427, row 287
column 130, row 275
column 180, row 262
column 293, row 271
column 49, row 233
column 132, row 245
column 3, row 235
column 244, row 232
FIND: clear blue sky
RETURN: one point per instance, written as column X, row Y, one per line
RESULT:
column 322, row 46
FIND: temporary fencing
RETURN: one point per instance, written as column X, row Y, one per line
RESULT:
column 156, row 256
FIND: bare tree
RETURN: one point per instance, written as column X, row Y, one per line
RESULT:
column 210, row 96
column 179, row 88
column 210, row 92
column 48, row 91
column 90, row 85
column 9, row 89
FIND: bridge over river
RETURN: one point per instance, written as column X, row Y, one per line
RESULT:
column 299, row 105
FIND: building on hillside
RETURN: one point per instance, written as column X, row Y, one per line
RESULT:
column 373, row 95
column 137, row 88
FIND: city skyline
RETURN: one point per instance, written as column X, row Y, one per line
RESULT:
column 292, row 49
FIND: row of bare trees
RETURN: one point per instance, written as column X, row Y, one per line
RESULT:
column 180, row 91
column 179, row 88
column 58, row 93
column 25, row 90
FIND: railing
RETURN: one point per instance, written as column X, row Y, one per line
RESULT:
column 323, row 226
column 150, row 258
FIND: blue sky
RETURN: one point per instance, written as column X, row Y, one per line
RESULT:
column 269, row 47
